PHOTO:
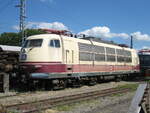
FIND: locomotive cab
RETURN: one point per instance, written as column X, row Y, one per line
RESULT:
column 41, row 51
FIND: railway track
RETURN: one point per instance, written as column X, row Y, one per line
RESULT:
column 28, row 93
column 16, row 95
column 39, row 105
column 10, row 96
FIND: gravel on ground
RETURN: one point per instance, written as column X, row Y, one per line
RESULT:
column 39, row 95
column 111, row 104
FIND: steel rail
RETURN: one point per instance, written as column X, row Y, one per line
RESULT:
column 30, row 107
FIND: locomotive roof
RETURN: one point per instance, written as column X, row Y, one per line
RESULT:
column 99, row 40
column 78, row 39
column 144, row 52
column 10, row 48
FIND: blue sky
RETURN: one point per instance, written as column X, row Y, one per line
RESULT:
column 110, row 19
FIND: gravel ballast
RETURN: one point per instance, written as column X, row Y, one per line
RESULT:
column 34, row 96
column 93, row 106
column 113, row 104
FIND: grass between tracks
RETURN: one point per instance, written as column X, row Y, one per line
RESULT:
column 74, row 105
column 133, row 87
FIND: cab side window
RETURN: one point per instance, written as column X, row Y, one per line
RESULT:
column 55, row 43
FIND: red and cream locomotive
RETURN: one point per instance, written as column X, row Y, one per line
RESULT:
column 58, row 56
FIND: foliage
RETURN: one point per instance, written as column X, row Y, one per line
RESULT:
column 14, row 39
column 10, row 39
column 68, row 107
column 133, row 87
column 30, row 32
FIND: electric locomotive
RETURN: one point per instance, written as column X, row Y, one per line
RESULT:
column 59, row 57
column 144, row 56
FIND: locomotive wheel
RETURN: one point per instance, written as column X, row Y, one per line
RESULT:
column 117, row 79
column 76, row 83
column 63, row 84
column 92, row 81
column 55, row 84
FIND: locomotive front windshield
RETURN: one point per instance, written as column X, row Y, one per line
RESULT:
column 145, row 60
column 33, row 43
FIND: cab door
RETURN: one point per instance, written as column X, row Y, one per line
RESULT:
column 69, row 52
column 69, row 56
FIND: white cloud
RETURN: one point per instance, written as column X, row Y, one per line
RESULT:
column 146, row 47
column 103, row 32
column 139, row 36
column 44, row 25
column 15, row 27
column 97, row 31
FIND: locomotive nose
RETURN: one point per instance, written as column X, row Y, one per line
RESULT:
column 23, row 55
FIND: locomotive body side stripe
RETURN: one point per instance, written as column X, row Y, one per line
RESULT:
column 102, row 68
column 77, row 68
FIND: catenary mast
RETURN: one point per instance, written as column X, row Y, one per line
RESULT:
column 22, row 7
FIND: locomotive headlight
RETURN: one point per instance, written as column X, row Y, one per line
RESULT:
column 23, row 57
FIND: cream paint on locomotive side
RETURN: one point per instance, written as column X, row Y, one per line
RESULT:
column 135, row 58
column 77, row 40
column 71, row 55
column 45, row 53
column 133, row 53
column 71, row 52
column 105, row 45
column 54, row 54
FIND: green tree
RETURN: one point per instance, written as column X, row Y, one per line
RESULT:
column 14, row 39
column 10, row 39
column 30, row 32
